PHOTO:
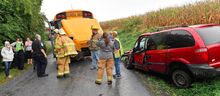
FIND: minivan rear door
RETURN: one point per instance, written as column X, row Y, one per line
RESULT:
column 211, row 38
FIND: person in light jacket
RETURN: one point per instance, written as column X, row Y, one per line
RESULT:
column 94, row 49
column 7, row 57
column 28, row 50
column 106, row 60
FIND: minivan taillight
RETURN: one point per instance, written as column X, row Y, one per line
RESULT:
column 201, row 50
column 202, row 55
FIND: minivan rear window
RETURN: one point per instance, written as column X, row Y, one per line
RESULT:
column 210, row 35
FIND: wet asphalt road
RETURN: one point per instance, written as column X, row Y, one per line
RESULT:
column 80, row 83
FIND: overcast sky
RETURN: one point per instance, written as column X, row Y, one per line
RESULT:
column 109, row 9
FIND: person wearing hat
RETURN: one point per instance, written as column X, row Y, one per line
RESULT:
column 118, row 52
column 56, row 30
column 94, row 49
column 7, row 57
column 39, row 56
column 64, row 49
column 52, row 39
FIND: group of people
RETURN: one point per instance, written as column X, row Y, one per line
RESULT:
column 18, row 52
column 106, row 51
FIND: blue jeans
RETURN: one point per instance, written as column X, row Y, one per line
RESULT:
column 95, row 58
column 7, row 67
column 117, row 67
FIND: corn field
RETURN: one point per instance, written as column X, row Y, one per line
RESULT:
column 198, row 13
column 191, row 14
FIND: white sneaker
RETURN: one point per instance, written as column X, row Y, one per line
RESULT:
column 9, row 76
column 93, row 68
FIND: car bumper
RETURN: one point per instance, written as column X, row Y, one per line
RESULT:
column 203, row 70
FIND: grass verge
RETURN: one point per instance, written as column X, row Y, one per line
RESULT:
column 162, row 86
column 14, row 72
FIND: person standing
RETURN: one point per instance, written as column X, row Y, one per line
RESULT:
column 19, row 53
column 94, row 49
column 106, row 60
column 39, row 56
column 7, row 57
column 118, row 52
column 64, row 48
column 56, row 31
column 28, row 50
column 53, row 35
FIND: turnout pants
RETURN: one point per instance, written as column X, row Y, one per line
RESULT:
column 63, row 65
column 105, row 64
column 41, row 63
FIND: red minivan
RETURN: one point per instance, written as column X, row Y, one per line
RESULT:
column 185, row 53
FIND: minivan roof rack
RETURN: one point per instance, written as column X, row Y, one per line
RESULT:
column 169, row 27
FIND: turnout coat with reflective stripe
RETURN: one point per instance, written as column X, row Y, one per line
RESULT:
column 64, row 46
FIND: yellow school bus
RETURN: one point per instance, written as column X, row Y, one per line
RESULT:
column 77, row 25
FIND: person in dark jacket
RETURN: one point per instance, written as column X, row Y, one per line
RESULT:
column 39, row 56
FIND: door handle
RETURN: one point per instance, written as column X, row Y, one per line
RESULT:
column 147, row 57
column 150, row 63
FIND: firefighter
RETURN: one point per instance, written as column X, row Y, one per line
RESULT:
column 118, row 52
column 64, row 49
column 106, row 60
column 94, row 49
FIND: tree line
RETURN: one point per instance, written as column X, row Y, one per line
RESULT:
column 20, row 19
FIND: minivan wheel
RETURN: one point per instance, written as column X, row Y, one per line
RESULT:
column 128, row 63
column 181, row 79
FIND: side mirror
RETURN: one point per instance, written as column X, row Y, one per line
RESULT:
column 136, row 49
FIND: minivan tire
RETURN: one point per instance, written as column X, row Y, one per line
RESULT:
column 128, row 63
column 181, row 78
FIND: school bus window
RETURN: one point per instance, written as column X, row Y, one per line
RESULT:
column 74, row 14
column 61, row 15
column 87, row 14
